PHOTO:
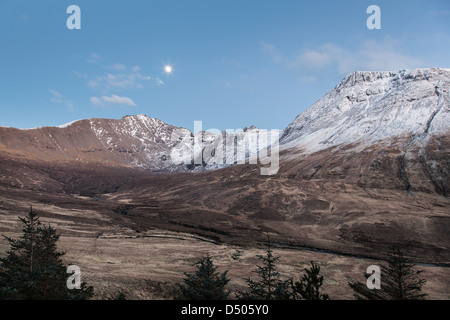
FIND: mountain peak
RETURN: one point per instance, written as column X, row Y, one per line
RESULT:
column 393, row 76
column 373, row 105
column 137, row 116
column 62, row 126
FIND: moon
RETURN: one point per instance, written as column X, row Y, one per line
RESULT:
column 168, row 69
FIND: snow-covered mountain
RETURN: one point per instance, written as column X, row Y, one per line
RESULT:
column 135, row 141
column 380, row 129
column 367, row 107
column 344, row 167
column 405, row 109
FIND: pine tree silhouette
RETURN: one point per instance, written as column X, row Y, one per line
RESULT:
column 205, row 284
column 33, row 269
column 398, row 281
column 269, row 286
column 309, row 285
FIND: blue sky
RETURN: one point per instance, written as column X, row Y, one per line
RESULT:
column 235, row 63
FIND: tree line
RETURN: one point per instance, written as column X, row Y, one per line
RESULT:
column 400, row 281
column 33, row 270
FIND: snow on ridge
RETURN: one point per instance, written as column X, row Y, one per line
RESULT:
column 395, row 76
column 26, row 129
column 62, row 126
column 368, row 106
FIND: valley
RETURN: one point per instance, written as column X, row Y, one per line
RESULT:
column 365, row 168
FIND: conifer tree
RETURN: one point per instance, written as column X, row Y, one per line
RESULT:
column 308, row 287
column 269, row 286
column 33, row 269
column 205, row 284
column 121, row 296
column 399, row 281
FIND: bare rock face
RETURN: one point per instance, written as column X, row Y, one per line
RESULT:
column 365, row 167
column 382, row 125
column 139, row 142
column 377, row 129
column 133, row 141
column 386, row 130
column 370, row 106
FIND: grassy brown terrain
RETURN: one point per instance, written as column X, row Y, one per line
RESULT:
column 147, row 265
column 137, row 232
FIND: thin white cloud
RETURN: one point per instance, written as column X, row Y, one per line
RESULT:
column 271, row 51
column 80, row 75
column 386, row 56
column 93, row 58
column 118, row 80
column 224, row 83
column 113, row 99
column 369, row 56
column 119, row 66
column 55, row 93
column 58, row 98
column 96, row 101
column 141, row 77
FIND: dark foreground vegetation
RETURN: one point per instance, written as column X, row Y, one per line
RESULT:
column 32, row 269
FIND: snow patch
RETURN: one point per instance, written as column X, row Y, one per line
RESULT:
column 67, row 124
column 367, row 107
